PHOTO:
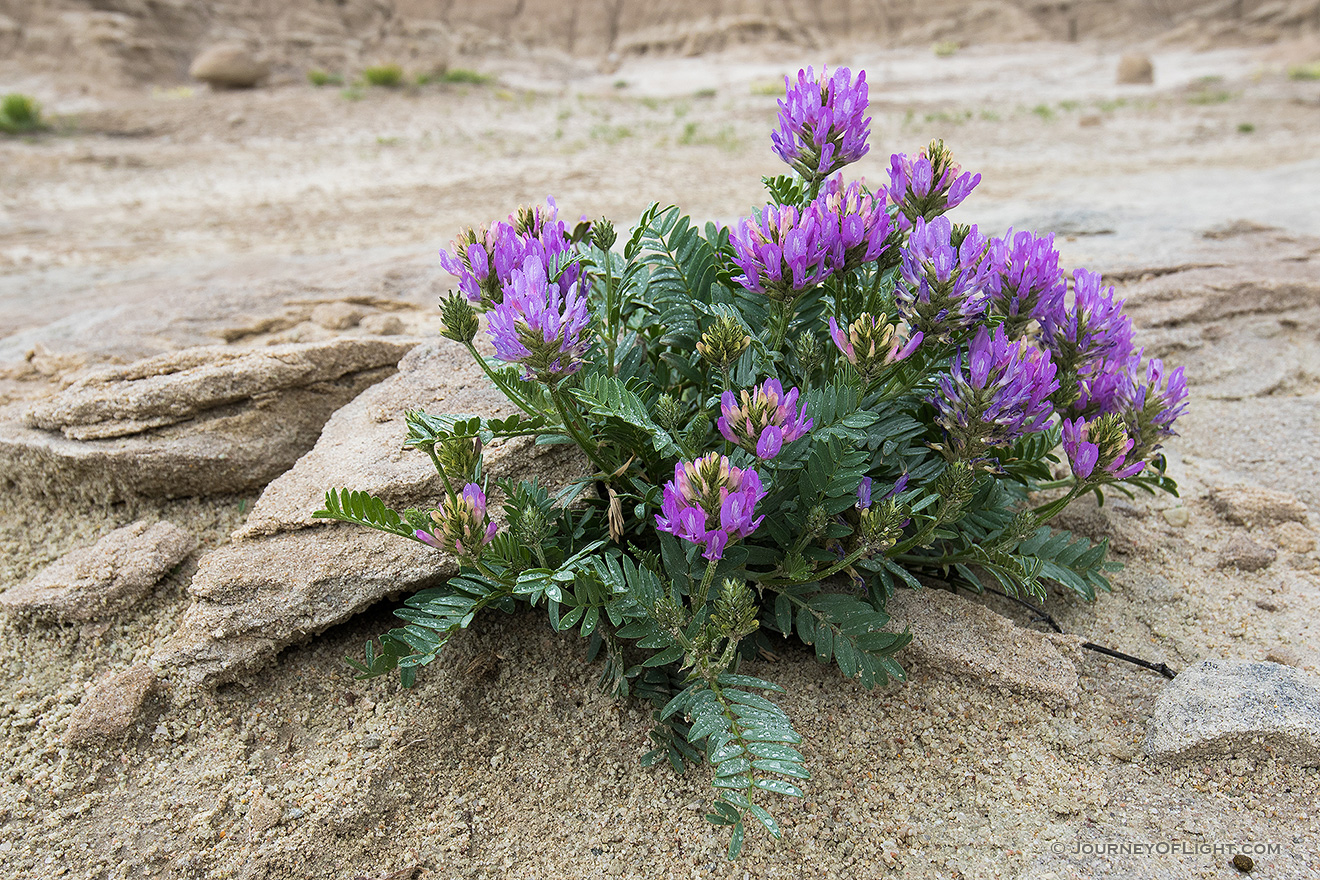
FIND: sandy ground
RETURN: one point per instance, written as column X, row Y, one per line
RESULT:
column 506, row 762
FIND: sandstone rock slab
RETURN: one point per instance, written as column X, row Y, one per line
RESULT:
column 1237, row 708
column 1254, row 505
column 199, row 421
column 965, row 639
column 229, row 66
column 99, row 581
column 287, row 576
column 111, row 710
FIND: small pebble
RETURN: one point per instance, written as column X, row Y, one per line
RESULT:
column 1177, row 516
column 370, row 742
column 1243, row 863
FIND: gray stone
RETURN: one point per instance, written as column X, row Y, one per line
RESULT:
column 1135, row 69
column 1253, row 505
column 962, row 638
column 1245, row 554
column 229, row 66
column 200, row 421
column 1237, row 708
column 337, row 315
column 382, row 324
column 287, row 576
column 113, row 708
column 99, row 581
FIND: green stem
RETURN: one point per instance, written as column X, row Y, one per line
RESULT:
column 699, row 597
column 611, row 319
column 1048, row 511
column 435, row 459
column 517, row 399
column 587, row 444
column 783, row 316
column 1054, row 484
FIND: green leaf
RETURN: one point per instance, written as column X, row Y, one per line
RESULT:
column 736, row 840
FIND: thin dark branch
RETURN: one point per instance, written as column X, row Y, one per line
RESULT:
column 1040, row 615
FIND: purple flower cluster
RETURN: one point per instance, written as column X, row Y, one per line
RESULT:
column 710, row 503
column 1151, row 403
column 539, row 324
column 1025, row 282
column 927, row 185
column 823, row 124
column 996, row 393
column 484, row 260
column 857, row 222
column 1091, row 341
column 765, row 420
column 871, row 343
column 1103, row 443
column 462, row 526
column 943, row 278
column 782, row 251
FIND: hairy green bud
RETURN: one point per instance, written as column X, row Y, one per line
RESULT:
column 531, row 526
column 460, row 319
column 461, row 460
column 818, row 520
column 603, row 235
column 810, row 353
column 880, row 526
column 723, row 343
column 955, row 487
column 698, row 428
column 735, row 610
column 668, row 412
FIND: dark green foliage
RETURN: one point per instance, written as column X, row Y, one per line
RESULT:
column 20, row 114
column 384, row 75
column 667, row 625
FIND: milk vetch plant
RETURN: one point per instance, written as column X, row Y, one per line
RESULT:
column 782, row 423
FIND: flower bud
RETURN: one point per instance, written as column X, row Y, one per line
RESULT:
column 460, row 320
column 735, row 610
column 603, row 235
column 697, row 429
column 668, row 412
column 809, row 352
column 461, row 460
column 817, row 521
column 723, row 343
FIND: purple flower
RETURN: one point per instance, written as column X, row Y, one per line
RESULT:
column 539, row 325
column 822, row 123
column 864, row 494
column 857, row 221
column 871, row 343
column 484, row 259
column 995, row 392
column 764, row 421
column 1151, row 404
column 1104, row 443
column 710, row 503
column 944, row 274
column 1025, row 282
column 927, row 185
column 1089, row 331
column 462, row 526
column 781, row 252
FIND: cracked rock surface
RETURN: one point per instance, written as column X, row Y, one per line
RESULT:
column 101, row 580
column 286, row 576
column 200, row 421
